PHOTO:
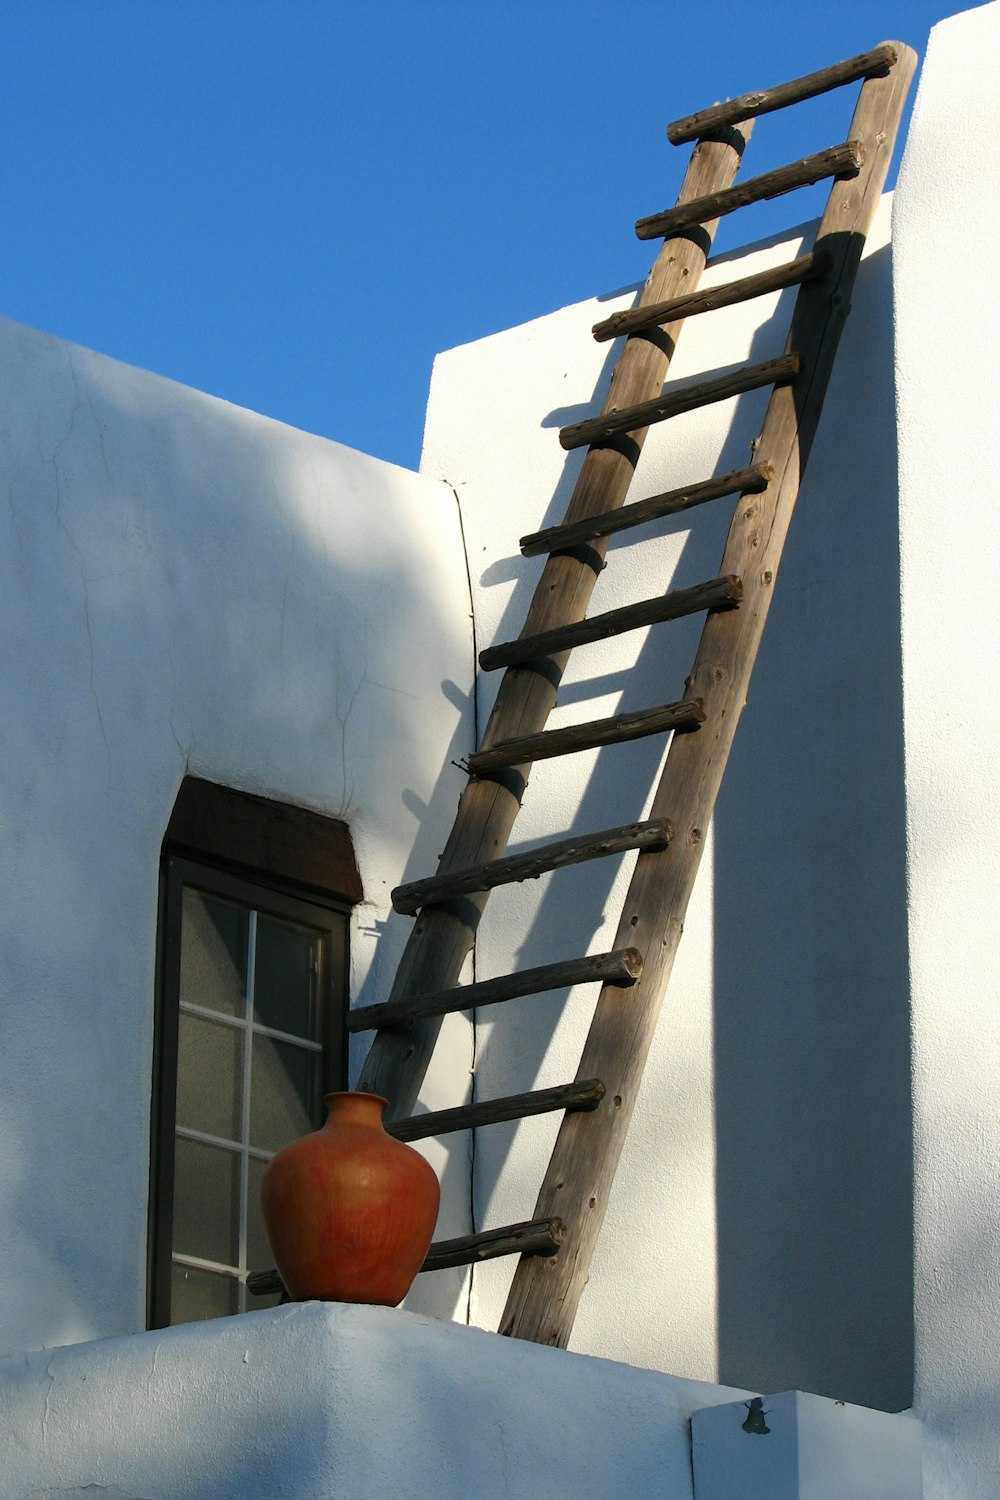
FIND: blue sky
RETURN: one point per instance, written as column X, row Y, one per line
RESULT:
column 296, row 205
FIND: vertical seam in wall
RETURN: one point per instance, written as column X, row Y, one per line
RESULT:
column 474, row 1019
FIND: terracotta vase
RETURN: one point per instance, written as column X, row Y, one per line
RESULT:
column 349, row 1211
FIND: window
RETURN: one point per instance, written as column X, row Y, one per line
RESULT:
column 250, row 1030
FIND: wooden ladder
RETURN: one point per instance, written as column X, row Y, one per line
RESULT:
column 556, row 1245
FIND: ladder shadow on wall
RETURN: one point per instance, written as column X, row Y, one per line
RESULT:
column 811, row 1052
column 537, row 1041
column 814, row 1165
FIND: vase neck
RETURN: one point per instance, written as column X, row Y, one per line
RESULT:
column 355, row 1109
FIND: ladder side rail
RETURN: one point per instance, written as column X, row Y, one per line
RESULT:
column 442, row 937
column 545, row 1293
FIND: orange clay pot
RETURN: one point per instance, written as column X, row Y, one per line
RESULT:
column 349, row 1211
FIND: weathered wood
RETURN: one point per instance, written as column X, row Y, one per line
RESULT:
column 651, row 834
column 637, row 319
column 587, row 1094
column 836, row 161
column 553, row 538
column 543, row 1299
column 685, row 715
column 672, row 403
column 717, row 593
column 441, row 938
column 873, row 64
column 533, row 1237
column 623, row 967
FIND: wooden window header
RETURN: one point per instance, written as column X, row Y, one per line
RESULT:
column 253, row 833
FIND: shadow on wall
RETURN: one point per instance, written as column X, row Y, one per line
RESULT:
column 812, row 1052
column 811, row 1061
column 188, row 588
column 536, row 1040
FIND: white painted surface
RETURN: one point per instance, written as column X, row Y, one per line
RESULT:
column 803, row 1447
column 750, row 1235
column 318, row 1400
column 946, row 224
column 187, row 587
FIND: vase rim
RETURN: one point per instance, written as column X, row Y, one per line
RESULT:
column 353, row 1094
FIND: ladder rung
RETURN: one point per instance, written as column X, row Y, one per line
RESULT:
column 572, row 1097
column 620, row 967
column 780, row 371
column 534, row 1237
column 687, row 714
column 874, row 64
column 557, row 538
column 654, row 834
column 717, row 593
column 836, row 161
column 793, row 273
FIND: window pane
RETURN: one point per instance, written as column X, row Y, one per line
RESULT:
column 206, row 1202
column 213, row 953
column 201, row 1294
column 284, row 1100
column 286, row 975
column 209, row 1076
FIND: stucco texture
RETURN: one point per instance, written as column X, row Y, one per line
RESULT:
column 187, row 588
column 751, row 1235
column 945, row 226
column 318, row 1400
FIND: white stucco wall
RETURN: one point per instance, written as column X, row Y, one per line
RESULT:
column 363, row 1403
column 946, row 225
column 808, row 1195
column 751, row 1235
column 186, row 587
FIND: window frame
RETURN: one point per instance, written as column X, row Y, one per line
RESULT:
column 253, row 830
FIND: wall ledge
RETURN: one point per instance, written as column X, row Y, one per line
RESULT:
column 317, row 1399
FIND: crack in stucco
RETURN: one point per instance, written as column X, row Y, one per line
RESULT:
column 110, row 1490
column 152, row 1373
column 498, row 1428
column 343, row 720
column 45, row 1408
column 348, row 791
column 183, row 750
column 100, row 441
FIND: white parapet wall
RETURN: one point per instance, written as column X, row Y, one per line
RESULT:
column 318, row 1400
column 946, row 226
column 327, row 1400
column 751, row 1236
column 323, row 1400
column 188, row 588
column 795, row 1446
